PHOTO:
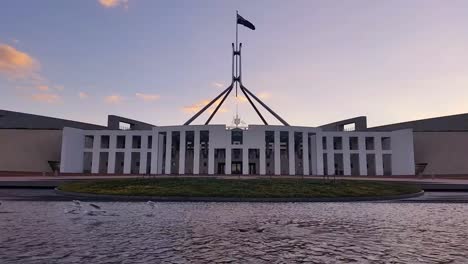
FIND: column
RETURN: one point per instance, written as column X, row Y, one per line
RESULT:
column 210, row 159
column 196, row 152
column 154, row 152
column 262, row 160
column 316, row 153
column 346, row 156
column 292, row 153
column 305, row 152
column 228, row 168
column 182, row 152
column 96, row 154
column 330, row 156
column 378, row 156
column 277, row 153
column 245, row 161
column 127, row 154
column 362, row 156
column 161, row 150
column 168, row 152
column 112, row 147
column 143, row 153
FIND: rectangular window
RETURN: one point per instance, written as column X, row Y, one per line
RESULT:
column 370, row 143
column 125, row 126
column 150, row 142
column 236, row 136
column 324, row 143
column 88, row 141
column 349, row 127
column 353, row 143
column 337, row 143
column 325, row 164
column 387, row 164
column 136, row 142
column 105, row 142
column 120, row 141
column 386, row 143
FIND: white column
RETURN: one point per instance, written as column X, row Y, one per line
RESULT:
column 245, row 161
column 305, row 152
column 196, row 152
column 211, row 159
column 330, row 156
column 228, row 168
column 316, row 155
column 168, row 152
column 112, row 147
column 362, row 156
column 346, row 156
column 277, row 153
column 161, row 150
column 155, row 152
column 182, row 152
column 143, row 154
column 292, row 153
column 262, row 161
column 127, row 154
column 96, row 154
column 378, row 156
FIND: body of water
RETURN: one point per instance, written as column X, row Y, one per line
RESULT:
column 60, row 232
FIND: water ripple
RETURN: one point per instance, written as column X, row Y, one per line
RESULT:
column 40, row 232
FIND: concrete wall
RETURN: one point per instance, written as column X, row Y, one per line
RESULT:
column 113, row 122
column 445, row 152
column 360, row 123
column 17, row 120
column 444, row 123
column 29, row 150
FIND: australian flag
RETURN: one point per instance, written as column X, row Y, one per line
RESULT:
column 245, row 22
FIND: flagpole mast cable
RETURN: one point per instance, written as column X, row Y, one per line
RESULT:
column 236, row 51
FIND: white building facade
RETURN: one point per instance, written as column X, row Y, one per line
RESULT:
column 255, row 150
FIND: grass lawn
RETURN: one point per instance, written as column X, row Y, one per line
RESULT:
column 234, row 188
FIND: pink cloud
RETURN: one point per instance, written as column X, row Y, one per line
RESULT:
column 113, row 99
column 46, row 97
column 147, row 97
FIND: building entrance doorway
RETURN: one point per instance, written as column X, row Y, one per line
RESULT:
column 252, row 168
column 221, row 168
column 236, row 167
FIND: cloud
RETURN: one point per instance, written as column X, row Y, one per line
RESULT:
column 264, row 95
column 218, row 85
column 15, row 64
column 113, row 99
column 83, row 95
column 46, row 97
column 43, row 88
column 147, row 97
column 241, row 99
column 192, row 109
column 113, row 3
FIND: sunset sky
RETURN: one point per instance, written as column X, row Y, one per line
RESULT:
column 313, row 62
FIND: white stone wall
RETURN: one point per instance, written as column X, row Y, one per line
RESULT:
column 401, row 151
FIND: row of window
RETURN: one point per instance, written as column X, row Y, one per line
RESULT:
column 120, row 142
column 354, row 145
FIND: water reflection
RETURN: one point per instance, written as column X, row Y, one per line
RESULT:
column 40, row 232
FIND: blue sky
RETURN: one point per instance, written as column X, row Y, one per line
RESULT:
column 313, row 62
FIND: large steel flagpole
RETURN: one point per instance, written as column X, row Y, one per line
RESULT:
column 237, row 49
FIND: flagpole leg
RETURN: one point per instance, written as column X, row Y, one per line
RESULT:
column 237, row 13
column 236, row 50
